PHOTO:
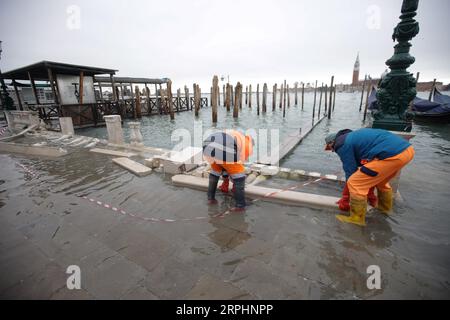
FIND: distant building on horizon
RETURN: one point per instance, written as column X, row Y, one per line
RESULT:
column 355, row 79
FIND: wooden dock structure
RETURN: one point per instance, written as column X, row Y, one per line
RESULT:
column 78, row 93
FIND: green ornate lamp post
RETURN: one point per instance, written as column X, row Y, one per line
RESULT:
column 398, row 88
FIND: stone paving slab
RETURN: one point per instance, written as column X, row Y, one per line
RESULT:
column 113, row 152
column 172, row 279
column 211, row 288
column 133, row 166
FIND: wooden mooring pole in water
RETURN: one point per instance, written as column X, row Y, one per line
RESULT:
column 236, row 101
column 284, row 96
column 227, row 97
column 138, row 102
column 169, row 99
column 274, row 97
column 264, row 104
column 288, row 96
column 186, row 95
column 197, row 101
column 214, row 94
column 296, row 93
column 241, row 95
column 250, row 96
column 218, row 95
column 178, row 105
column 315, row 97
column 303, row 95
column 320, row 101
column 257, row 98
column 147, row 96
column 331, row 86
column 326, row 100
column 281, row 96
column 210, row 96
column 362, row 93
column 369, row 89
column 232, row 95
column 224, row 95
column 246, row 95
column 334, row 96
column 432, row 90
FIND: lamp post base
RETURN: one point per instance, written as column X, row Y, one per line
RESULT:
column 402, row 126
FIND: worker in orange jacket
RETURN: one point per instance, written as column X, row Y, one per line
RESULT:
column 226, row 152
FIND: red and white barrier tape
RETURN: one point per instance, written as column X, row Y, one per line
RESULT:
column 27, row 170
column 148, row 219
column 218, row 215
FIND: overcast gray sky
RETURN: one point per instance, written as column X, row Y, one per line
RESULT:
column 252, row 41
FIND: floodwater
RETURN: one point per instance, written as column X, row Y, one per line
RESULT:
column 270, row 252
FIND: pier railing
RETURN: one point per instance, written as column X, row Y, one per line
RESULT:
column 91, row 114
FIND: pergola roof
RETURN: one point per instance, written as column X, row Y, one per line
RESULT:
column 128, row 80
column 39, row 70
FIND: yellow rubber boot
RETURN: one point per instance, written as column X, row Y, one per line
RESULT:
column 358, row 208
column 385, row 201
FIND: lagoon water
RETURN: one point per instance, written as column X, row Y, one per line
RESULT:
column 270, row 252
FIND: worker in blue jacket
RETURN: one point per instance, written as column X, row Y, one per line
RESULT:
column 370, row 158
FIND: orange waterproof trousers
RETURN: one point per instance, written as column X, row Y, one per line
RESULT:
column 359, row 183
column 235, row 169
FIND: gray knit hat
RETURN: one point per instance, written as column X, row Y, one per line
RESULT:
column 330, row 138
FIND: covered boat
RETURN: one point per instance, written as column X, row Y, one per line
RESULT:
column 437, row 109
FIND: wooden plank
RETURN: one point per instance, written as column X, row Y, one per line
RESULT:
column 133, row 166
column 289, row 144
column 113, row 153
column 257, row 192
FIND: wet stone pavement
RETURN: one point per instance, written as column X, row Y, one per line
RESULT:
column 270, row 252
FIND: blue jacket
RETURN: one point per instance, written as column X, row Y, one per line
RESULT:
column 366, row 144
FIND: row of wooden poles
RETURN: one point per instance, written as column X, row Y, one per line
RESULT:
column 234, row 97
column 167, row 99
